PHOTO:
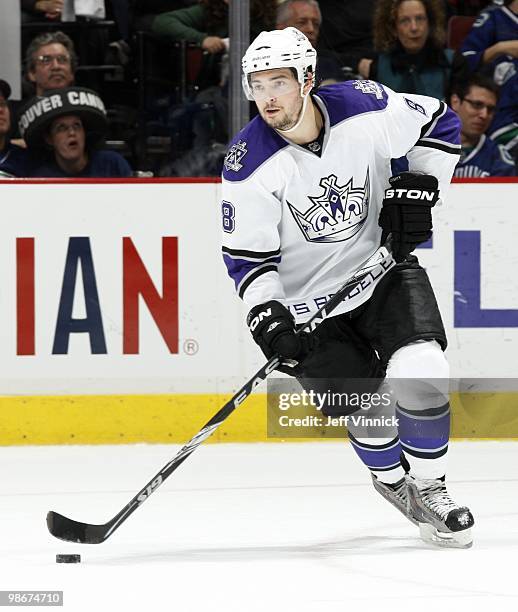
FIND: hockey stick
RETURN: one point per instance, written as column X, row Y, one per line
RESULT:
column 73, row 531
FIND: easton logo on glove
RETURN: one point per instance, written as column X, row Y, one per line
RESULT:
column 411, row 194
column 273, row 329
column 253, row 321
column 406, row 213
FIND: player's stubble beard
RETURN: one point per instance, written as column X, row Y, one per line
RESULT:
column 285, row 120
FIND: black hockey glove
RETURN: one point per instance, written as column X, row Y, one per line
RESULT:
column 273, row 328
column 407, row 211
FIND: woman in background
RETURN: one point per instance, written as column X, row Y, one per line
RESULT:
column 409, row 36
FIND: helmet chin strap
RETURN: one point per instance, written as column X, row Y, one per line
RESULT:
column 301, row 116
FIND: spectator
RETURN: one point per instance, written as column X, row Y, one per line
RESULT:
column 475, row 102
column 410, row 35
column 36, row 10
column 145, row 11
column 347, row 30
column 14, row 160
column 305, row 16
column 206, row 23
column 301, row 14
column 70, row 124
column 50, row 62
column 492, row 47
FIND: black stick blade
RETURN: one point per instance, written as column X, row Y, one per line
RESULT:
column 68, row 530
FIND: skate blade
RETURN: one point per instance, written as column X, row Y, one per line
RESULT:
column 458, row 539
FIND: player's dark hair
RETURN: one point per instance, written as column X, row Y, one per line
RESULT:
column 462, row 88
column 384, row 24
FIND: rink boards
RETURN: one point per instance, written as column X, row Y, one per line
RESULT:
column 119, row 324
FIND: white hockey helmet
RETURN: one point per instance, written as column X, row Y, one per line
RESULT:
column 288, row 48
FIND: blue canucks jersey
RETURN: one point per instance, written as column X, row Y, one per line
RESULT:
column 485, row 159
column 297, row 224
column 493, row 26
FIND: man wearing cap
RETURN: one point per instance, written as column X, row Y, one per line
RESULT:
column 14, row 160
column 66, row 127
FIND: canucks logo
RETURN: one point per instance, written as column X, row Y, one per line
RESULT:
column 235, row 155
column 337, row 214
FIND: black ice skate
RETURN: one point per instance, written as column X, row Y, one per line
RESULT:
column 397, row 495
column 441, row 520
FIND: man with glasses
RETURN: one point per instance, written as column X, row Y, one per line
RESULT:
column 51, row 62
column 475, row 101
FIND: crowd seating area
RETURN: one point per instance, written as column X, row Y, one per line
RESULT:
column 161, row 66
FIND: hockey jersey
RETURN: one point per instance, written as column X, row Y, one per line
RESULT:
column 295, row 224
column 485, row 159
column 493, row 26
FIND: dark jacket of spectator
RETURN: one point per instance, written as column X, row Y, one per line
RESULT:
column 145, row 11
column 428, row 72
column 485, row 159
column 207, row 25
column 347, row 30
column 100, row 164
column 210, row 18
column 14, row 160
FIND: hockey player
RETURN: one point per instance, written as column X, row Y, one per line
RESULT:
column 303, row 188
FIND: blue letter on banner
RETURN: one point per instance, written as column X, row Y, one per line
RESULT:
column 79, row 253
column 467, row 288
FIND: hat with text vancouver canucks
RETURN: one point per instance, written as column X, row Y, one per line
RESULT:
column 37, row 116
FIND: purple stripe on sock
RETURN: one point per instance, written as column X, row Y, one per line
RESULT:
column 423, row 433
column 381, row 458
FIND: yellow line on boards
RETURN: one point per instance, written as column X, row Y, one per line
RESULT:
column 123, row 419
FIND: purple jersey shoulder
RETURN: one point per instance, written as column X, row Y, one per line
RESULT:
column 351, row 98
column 255, row 144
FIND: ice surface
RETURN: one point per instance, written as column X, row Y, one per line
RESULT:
column 270, row 527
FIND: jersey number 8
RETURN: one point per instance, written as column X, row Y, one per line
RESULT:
column 227, row 210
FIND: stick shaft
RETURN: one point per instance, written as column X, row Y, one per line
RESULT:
column 102, row 532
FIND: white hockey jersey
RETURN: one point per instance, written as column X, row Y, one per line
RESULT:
column 296, row 225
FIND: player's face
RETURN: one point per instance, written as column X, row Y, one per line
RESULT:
column 52, row 68
column 277, row 95
column 476, row 110
column 67, row 137
column 305, row 18
column 5, row 117
column 412, row 26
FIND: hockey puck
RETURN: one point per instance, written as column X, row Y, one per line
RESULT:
column 68, row 558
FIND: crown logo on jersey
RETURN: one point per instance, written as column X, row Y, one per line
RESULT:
column 234, row 156
column 369, row 87
column 337, row 214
